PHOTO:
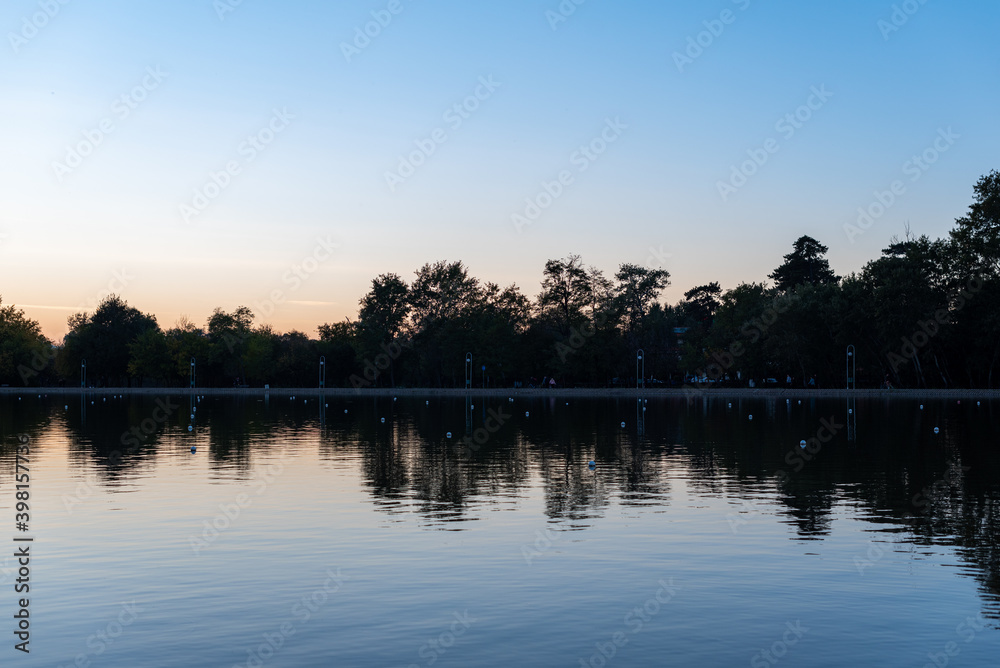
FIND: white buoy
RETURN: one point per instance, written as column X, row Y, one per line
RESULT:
column 65, row 408
column 592, row 463
column 800, row 402
column 921, row 407
column 802, row 444
column 190, row 428
column 623, row 425
column 326, row 405
column 473, row 405
column 448, row 434
column 730, row 404
column 345, row 411
column 383, row 420
column 526, row 413
column 194, row 409
column 427, row 403
column 977, row 403
column 751, row 417
column 850, row 411
column 192, row 416
column 937, row 430
column 193, row 449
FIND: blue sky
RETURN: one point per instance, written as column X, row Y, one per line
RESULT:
column 298, row 231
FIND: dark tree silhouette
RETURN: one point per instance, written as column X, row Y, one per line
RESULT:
column 805, row 264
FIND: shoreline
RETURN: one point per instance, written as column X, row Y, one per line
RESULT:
column 580, row 393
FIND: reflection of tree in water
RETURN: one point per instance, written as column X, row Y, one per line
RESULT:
column 940, row 490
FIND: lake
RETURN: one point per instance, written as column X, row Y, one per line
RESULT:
column 356, row 532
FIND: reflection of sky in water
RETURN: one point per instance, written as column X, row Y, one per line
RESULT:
column 537, row 555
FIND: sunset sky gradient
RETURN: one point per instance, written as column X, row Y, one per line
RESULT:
column 261, row 105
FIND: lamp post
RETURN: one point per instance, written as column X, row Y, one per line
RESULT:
column 83, row 373
column 193, row 372
column 851, row 367
column 640, row 369
column 468, row 371
column 322, row 372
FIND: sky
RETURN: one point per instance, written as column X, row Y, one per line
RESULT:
column 197, row 154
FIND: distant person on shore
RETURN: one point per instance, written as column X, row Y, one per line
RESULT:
column 788, row 380
column 552, row 383
column 812, row 382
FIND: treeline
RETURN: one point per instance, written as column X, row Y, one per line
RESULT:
column 924, row 314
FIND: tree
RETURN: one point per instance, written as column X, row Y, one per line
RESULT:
column 636, row 291
column 701, row 302
column 228, row 336
column 381, row 317
column 24, row 352
column 976, row 237
column 104, row 340
column 442, row 299
column 805, row 264
column 149, row 357
column 567, row 291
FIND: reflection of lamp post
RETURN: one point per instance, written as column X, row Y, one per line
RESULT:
column 640, row 369
column 322, row 371
column 468, row 371
column 484, row 376
column 83, row 372
column 851, row 366
column 193, row 372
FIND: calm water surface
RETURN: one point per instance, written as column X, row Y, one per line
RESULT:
column 304, row 535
